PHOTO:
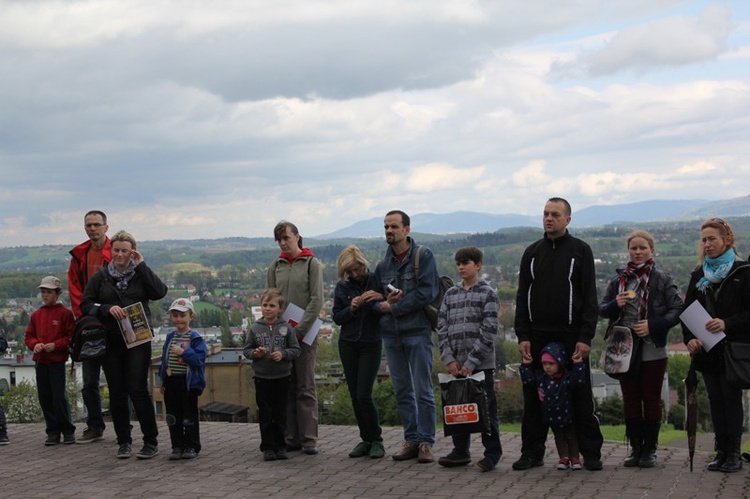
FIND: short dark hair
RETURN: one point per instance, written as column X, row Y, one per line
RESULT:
column 97, row 212
column 404, row 217
column 469, row 254
column 568, row 209
column 280, row 230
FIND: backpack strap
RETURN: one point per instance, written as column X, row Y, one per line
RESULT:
column 416, row 263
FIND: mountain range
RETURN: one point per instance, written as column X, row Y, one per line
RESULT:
column 597, row 215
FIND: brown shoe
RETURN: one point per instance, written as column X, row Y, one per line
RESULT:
column 425, row 454
column 410, row 450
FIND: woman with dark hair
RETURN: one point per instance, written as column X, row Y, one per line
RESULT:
column 124, row 281
column 360, row 346
column 299, row 275
column 721, row 284
column 645, row 299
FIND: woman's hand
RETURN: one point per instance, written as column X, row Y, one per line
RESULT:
column 715, row 326
column 357, row 302
column 641, row 328
column 623, row 298
column 136, row 257
column 694, row 346
column 372, row 296
column 117, row 312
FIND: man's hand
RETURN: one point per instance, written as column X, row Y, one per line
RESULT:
column 582, row 351
column 453, row 368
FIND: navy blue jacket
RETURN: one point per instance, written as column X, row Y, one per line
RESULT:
column 356, row 325
column 407, row 317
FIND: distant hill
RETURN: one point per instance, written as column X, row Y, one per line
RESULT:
column 462, row 222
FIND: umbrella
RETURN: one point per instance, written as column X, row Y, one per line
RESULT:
column 691, row 384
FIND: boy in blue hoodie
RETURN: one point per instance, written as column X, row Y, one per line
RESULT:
column 182, row 372
column 555, row 385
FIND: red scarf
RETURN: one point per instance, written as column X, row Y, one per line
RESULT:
column 640, row 273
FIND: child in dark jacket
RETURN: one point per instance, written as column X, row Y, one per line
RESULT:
column 182, row 372
column 272, row 345
column 555, row 385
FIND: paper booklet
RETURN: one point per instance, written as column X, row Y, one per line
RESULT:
column 293, row 315
column 695, row 318
column 134, row 327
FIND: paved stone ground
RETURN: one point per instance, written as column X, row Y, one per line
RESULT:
column 231, row 466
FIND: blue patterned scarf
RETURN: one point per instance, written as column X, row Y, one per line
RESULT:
column 122, row 279
column 715, row 269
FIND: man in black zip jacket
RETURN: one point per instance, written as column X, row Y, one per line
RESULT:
column 557, row 301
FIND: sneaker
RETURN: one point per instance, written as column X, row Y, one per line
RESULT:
column 592, row 464
column 269, row 455
column 90, row 435
column 189, row 454
column 526, row 462
column 486, row 464
column 176, row 454
column 4, row 440
column 52, row 440
column 147, row 451
column 362, row 449
column 377, row 451
column 69, row 438
column 310, row 450
column 410, row 450
column 562, row 464
column 454, row 459
column 425, row 454
column 123, row 452
column 575, row 464
column 293, row 447
column 281, row 454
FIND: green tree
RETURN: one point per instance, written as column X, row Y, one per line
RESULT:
column 385, row 400
column 510, row 402
column 611, row 411
column 340, row 410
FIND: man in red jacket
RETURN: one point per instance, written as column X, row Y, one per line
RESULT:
column 86, row 258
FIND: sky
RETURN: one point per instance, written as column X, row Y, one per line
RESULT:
column 208, row 119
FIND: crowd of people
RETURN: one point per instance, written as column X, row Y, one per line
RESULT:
column 385, row 309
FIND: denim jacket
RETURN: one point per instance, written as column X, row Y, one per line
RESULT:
column 195, row 358
column 407, row 317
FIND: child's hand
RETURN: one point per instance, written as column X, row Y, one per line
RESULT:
column 38, row 347
column 49, row 347
column 276, row 356
column 177, row 349
column 259, row 352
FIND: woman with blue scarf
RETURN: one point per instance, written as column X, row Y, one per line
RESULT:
column 124, row 281
column 722, row 285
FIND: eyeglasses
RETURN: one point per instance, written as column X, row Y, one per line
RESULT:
column 93, row 226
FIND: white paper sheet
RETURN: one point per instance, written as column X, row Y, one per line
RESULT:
column 695, row 318
column 293, row 315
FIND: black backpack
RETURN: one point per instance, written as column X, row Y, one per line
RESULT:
column 444, row 284
column 89, row 339
column 3, row 344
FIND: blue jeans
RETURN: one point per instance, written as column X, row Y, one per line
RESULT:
column 410, row 366
column 92, row 398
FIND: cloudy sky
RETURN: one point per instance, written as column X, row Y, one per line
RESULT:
column 188, row 119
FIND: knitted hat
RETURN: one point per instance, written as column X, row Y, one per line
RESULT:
column 547, row 357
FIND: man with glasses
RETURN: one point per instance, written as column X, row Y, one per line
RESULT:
column 86, row 258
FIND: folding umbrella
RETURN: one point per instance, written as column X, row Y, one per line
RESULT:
column 691, row 385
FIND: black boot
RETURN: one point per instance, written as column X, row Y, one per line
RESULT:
column 720, row 446
column 733, row 462
column 633, row 430
column 650, row 440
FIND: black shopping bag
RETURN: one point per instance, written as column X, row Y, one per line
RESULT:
column 464, row 405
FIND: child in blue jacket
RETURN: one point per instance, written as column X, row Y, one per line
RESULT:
column 555, row 385
column 182, row 372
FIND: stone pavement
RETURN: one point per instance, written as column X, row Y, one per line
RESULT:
column 231, row 466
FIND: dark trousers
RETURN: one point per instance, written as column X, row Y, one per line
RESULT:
column 50, row 385
column 271, row 397
column 641, row 396
column 566, row 441
column 182, row 414
column 3, row 422
column 92, row 398
column 127, row 376
column 491, row 441
column 361, row 363
column 534, row 430
column 726, row 406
